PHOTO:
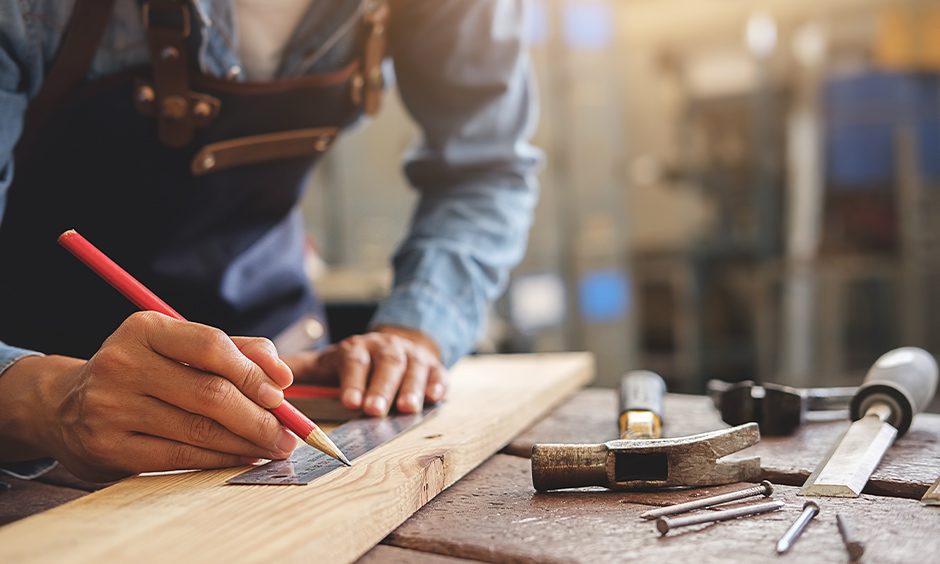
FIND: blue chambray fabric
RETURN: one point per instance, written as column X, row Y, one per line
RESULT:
column 462, row 71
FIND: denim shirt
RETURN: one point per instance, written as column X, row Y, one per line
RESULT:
column 463, row 74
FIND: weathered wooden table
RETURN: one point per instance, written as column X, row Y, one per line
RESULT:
column 494, row 514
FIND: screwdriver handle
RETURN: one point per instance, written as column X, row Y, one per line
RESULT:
column 905, row 379
column 641, row 390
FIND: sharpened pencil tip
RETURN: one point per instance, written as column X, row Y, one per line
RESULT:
column 320, row 441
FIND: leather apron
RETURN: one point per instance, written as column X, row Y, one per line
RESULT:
column 200, row 205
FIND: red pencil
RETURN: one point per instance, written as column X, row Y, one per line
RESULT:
column 287, row 414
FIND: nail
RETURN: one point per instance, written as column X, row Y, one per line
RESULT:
column 665, row 524
column 377, row 405
column 352, row 399
column 286, row 441
column 270, row 396
column 810, row 510
column 855, row 548
column 409, row 403
column 765, row 489
column 437, row 392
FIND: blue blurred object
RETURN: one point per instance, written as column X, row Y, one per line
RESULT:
column 587, row 24
column 864, row 114
column 604, row 295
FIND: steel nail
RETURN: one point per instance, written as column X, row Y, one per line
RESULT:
column 810, row 510
column 665, row 524
column 765, row 488
column 855, row 548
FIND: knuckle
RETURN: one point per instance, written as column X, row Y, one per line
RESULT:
column 181, row 456
column 267, row 425
column 215, row 392
column 203, row 431
column 390, row 356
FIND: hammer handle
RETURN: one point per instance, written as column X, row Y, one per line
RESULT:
column 641, row 392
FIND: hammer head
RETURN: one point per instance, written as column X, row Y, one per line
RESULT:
column 649, row 463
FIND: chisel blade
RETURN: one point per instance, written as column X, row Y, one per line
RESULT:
column 932, row 497
column 846, row 469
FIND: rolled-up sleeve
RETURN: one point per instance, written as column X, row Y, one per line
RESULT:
column 463, row 74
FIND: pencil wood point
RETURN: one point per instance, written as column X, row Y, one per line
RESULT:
column 320, row 441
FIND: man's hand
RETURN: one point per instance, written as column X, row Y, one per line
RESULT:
column 375, row 368
column 160, row 394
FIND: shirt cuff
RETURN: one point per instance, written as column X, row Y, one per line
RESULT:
column 421, row 307
column 9, row 355
column 27, row 469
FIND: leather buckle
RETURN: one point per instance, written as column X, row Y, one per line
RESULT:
column 178, row 21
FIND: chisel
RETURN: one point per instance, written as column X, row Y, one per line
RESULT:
column 641, row 405
column 899, row 385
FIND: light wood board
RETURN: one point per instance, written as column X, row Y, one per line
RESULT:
column 196, row 517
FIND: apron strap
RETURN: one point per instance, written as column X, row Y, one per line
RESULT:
column 76, row 52
column 368, row 83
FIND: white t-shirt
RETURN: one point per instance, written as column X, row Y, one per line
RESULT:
column 264, row 28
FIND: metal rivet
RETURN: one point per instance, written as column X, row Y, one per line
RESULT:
column 233, row 73
column 208, row 161
column 169, row 53
column 202, row 109
column 322, row 143
column 314, row 329
column 145, row 95
column 174, row 107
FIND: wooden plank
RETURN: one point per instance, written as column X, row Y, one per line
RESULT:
column 383, row 554
column 197, row 518
column 590, row 416
column 908, row 468
column 495, row 515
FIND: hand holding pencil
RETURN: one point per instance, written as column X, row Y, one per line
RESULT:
column 215, row 383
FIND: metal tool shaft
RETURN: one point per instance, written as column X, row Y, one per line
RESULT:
column 855, row 548
column 666, row 524
column 765, row 489
column 810, row 510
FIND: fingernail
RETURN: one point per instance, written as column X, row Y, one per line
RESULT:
column 409, row 403
column 352, row 399
column 437, row 392
column 250, row 461
column 286, row 441
column 377, row 405
column 270, row 396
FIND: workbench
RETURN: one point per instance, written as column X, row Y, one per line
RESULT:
column 494, row 514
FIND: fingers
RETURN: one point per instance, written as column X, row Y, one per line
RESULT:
column 155, row 454
column 389, row 362
column 352, row 360
column 216, row 398
column 157, row 418
column 263, row 353
column 437, row 383
column 211, row 350
column 411, row 395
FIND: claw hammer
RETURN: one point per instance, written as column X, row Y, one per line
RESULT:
column 642, row 460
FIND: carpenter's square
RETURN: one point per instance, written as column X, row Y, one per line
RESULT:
column 900, row 384
column 646, row 463
column 355, row 438
column 779, row 410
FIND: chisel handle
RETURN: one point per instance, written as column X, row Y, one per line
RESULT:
column 641, row 396
column 904, row 379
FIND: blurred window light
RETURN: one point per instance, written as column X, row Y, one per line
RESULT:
column 587, row 24
column 761, row 34
column 537, row 22
column 720, row 72
column 537, row 301
column 809, row 44
column 604, row 295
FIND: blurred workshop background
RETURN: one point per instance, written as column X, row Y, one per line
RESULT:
column 732, row 189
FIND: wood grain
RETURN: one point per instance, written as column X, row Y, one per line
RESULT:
column 195, row 517
column 495, row 515
column 383, row 554
column 908, row 468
